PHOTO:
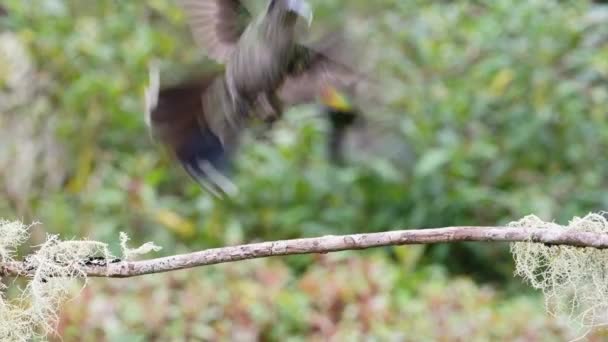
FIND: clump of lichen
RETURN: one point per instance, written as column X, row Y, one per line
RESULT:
column 56, row 266
column 574, row 280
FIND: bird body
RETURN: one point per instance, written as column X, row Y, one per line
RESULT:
column 201, row 120
column 255, row 51
column 258, row 63
column 341, row 115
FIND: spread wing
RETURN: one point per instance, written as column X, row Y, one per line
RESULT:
column 315, row 66
column 178, row 119
column 216, row 25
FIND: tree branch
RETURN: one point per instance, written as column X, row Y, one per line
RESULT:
column 331, row 243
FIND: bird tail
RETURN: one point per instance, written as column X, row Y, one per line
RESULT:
column 340, row 122
column 206, row 160
column 176, row 118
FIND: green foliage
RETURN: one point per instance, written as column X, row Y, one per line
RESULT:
column 495, row 109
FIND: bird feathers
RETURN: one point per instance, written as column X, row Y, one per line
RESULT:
column 216, row 25
column 201, row 120
column 178, row 118
column 318, row 65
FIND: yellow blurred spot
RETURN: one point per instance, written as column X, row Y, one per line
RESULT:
column 501, row 81
column 175, row 222
column 331, row 97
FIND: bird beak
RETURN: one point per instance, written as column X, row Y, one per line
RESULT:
column 302, row 8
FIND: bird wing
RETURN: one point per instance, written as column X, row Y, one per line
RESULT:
column 318, row 65
column 178, row 119
column 216, row 25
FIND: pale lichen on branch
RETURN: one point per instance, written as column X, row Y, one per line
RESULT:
column 50, row 271
column 573, row 280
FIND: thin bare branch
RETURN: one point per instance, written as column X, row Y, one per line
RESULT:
column 331, row 243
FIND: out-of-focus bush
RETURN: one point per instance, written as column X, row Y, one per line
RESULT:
column 350, row 296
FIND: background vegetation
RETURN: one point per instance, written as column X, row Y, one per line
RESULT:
column 490, row 111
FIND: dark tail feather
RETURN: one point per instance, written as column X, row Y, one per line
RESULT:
column 336, row 139
column 339, row 121
column 208, row 162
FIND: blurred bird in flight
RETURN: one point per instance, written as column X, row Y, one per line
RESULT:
column 200, row 120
